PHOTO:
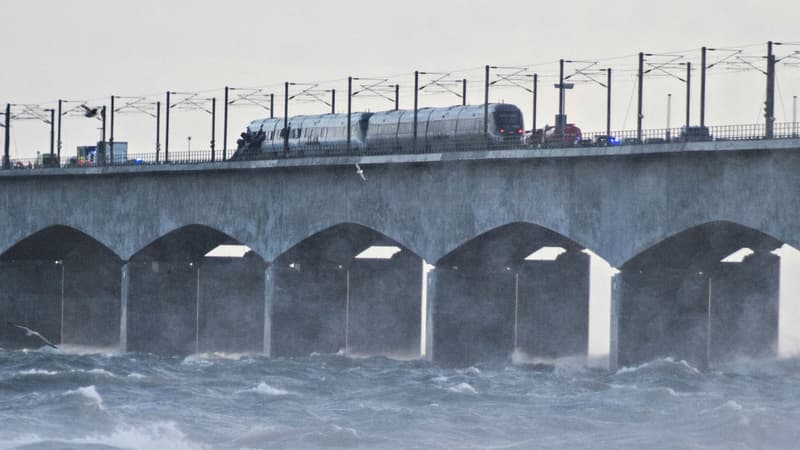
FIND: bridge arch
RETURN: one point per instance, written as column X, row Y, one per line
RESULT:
column 686, row 297
column 518, row 289
column 346, row 288
column 63, row 283
column 181, row 299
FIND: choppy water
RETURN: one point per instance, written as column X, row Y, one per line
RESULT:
column 51, row 400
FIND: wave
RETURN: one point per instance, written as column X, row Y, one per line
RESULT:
column 463, row 388
column 156, row 435
column 89, row 392
column 659, row 364
column 265, row 389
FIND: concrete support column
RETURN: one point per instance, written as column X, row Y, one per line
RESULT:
column 231, row 305
column 269, row 300
column 745, row 302
column 659, row 313
column 123, row 307
column 307, row 307
column 430, row 314
column 91, row 289
column 162, row 307
column 384, row 306
column 552, row 317
column 31, row 295
column 474, row 315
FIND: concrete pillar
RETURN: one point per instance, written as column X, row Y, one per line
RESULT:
column 162, row 307
column 91, row 299
column 553, row 306
column 745, row 304
column 231, row 300
column 31, row 295
column 430, row 314
column 474, row 315
column 384, row 306
column 307, row 306
column 123, row 307
column 269, row 299
column 659, row 313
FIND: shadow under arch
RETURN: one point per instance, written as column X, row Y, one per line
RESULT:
column 180, row 300
column 488, row 300
column 324, row 298
column 63, row 283
column 679, row 299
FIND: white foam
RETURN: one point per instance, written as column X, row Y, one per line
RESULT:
column 151, row 436
column 463, row 388
column 89, row 392
column 264, row 388
column 37, row 372
column 136, row 375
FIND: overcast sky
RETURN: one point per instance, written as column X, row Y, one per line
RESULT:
column 86, row 49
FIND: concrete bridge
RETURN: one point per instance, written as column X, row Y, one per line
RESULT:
column 116, row 256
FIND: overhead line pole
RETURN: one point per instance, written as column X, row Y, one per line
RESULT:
column 703, row 53
column 111, row 138
column 535, row 95
column 225, row 126
column 769, row 108
column 416, row 106
column 639, row 115
column 213, row 127
column 608, row 103
column 166, row 131
column 158, row 130
column 688, row 92
column 464, row 92
column 349, row 108
column 7, row 142
column 58, row 142
column 286, row 118
column 486, row 103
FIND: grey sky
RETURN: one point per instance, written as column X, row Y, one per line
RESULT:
column 86, row 49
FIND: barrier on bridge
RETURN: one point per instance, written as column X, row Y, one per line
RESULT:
column 749, row 132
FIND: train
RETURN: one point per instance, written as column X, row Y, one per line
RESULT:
column 438, row 129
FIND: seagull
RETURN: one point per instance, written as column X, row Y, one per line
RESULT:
column 30, row 332
column 90, row 112
column 360, row 172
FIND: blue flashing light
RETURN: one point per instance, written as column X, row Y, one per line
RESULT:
column 613, row 140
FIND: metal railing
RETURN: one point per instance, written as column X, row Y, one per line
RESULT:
column 750, row 132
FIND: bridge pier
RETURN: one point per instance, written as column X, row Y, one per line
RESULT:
column 702, row 317
column 368, row 307
column 541, row 310
column 162, row 307
column 69, row 301
column 745, row 307
column 231, row 303
column 215, row 305
column 31, row 294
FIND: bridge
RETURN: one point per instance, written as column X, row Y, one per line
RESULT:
column 117, row 256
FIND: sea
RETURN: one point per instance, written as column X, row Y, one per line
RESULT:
column 85, row 399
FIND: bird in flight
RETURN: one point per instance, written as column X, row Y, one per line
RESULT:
column 30, row 332
column 90, row 112
column 360, row 172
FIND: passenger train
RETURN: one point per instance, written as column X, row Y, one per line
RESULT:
column 438, row 129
